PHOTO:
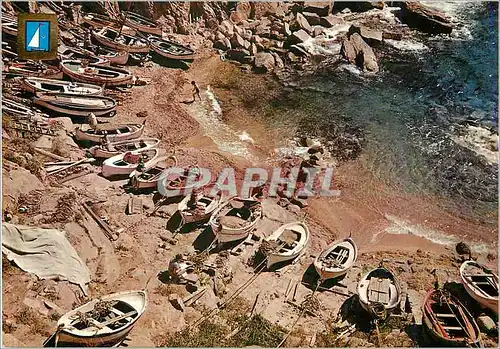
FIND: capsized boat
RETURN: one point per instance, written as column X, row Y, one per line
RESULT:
column 287, row 243
column 102, row 322
column 197, row 207
column 111, row 133
column 379, row 292
column 235, row 219
column 481, row 284
column 36, row 85
column 95, row 74
column 111, row 149
column 148, row 177
column 125, row 164
column 33, row 69
column 120, row 41
column 448, row 321
column 169, row 49
column 141, row 23
column 336, row 259
column 75, row 105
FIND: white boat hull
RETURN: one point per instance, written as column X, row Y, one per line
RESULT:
column 394, row 292
column 326, row 272
column 98, row 152
column 136, row 132
column 485, row 300
column 277, row 257
column 110, row 168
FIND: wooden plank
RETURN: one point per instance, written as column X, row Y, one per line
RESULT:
column 446, row 315
column 118, row 318
column 453, row 328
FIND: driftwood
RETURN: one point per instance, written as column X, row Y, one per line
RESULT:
column 104, row 226
column 50, row 155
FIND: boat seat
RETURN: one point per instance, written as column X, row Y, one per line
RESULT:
column 378, row 290
column 482, row 283
column 113, row 320
column 479, row 275
column 453, row 328
column 119, row 312
column 445, row 315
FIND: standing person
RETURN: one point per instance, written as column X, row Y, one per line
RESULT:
column 196, row 91
column 92, row 120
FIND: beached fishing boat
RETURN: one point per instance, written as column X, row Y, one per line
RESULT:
column 481, row 284
column 120, row 41
column 235, row 219
column 19, row 110
column 178, row 182
column 76, row 53
column 111, row 149
column 102, row 322
column 95, row 74
column 148, row 177
column 169, row 49
column 141, row 23
column 96, row 21
column 448, row 321
column 379, row 292
column 34, row 69
column 8, row 52
column 287, row 243
column 197, row 208
column 9, row 26
column 114, row 57
column 111, row 133
column 125, row 164
column 75, row 105
column 336, row 259
column 36, row 85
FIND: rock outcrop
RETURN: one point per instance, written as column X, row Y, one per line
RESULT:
column 425, row 18
column 358, row 52
column 372, row 37
column 264, row 62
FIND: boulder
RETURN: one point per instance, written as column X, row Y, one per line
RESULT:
column 285, row 30
column 278, row 62
column 426, row 19
column 264, row 62
column 237, row 54
column 257, row 39
column 253, row 49
column 262, row 9
column 237, row 41
column 226, row 28
column 330, row 21
column 372, row 37
column 246, row 44
column 318, row 30
column 302, row 23
column 44, row 142
column 357, row 51
column 238, row 30
column 223, row 44
column 298, row 37
column 321, row 8
column 241, row 12
column 263, row 31
column 312, row 18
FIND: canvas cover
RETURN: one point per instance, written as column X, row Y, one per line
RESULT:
column 44, row 252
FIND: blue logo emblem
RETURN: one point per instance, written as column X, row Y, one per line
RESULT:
column 37, row 36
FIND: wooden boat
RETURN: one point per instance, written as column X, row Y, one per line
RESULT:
column 74, row 53
column 235, row 219
column 32, row 69
column 121, row 42
column 116, row 148
column 95, row 74
column 379, row 292
column 198, row 211
column 287, row 242
column 125, row 164
column 96, row 21
column 448, row 321
column 169, row 49
column 101, row 322
column 481, row 284
column 178, row 182
column 19, row 110
column 9, row 26
column 111, row 133
column 114, row 57
column 36, row 85
column 141, row 23
column 336, row 259
column 149, row 176
column 8, row 52
column 75, row 105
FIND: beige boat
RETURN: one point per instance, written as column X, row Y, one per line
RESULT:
column 379, row 292
column 111, row 133
column 169, row 49
column 95, row 74
column 481, row 284
column 336, row 259
column 36, row 85
column 141, row 23
column 290, row 241
column 149, row 176
column 125, row 164
column 198, row 208
column 74, row 105
column 115, row 148
column 120, row 41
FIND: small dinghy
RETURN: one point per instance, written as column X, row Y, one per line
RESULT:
column 286, row 243
column 178, row 182
column 9, row 26
column 141, row 23
column 111, row 133
column 120, row 41
column 21, row 111
column 95, row 74
column 112, row 149
column 169, row 49
column 34, row 69
column 114, row 57
column 74, row 105
column 379, row 292
column 448, row 321
column 35, row 85
column 74, row 53
column 148, row 177
column 481, row 284
column 102, row 322
column 125, row 164
column 336, row 259
column 197, row 207
column 235, row 219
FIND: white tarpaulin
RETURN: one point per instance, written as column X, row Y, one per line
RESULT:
column 44, row 252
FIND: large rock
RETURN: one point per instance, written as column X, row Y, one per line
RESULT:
column 330, row 21
column 312, row 18
column 322, row 8
column 285, row 30
column 237, row 41
column 241, row 12
column 357, row 51
column 318, row 30
column 298, row 37
column 237, row 54
column 486, row 323
column 262, row 9
column 425, row 18
column 227, row 28
column 278, row 62
column 302, row 23
column 372, row 37
column 264, row 62
column 223, row 44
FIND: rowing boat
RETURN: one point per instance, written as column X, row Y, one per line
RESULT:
column 125, row 164
column 336, row 259
column 35, row 85
column 76, row 105
column 481, row 284
column 95, row 74
column 120, row 41
column 198, row 208
column 379, row 292
column 19, row 110
column 98, row 21
column 102, row 322
column 114, row 57
column 74, row 53
column 148, row 177
column 235, row 219
column 108, row 150
column 141, row 23
column 32, row 69
column 169, row 49
column 111, row 133
column 287, row 242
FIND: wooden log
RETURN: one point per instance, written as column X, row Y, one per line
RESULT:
column 190, row 299
column 79, row 162
column 105, row 227
column 74, row 176
column 50, row 155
